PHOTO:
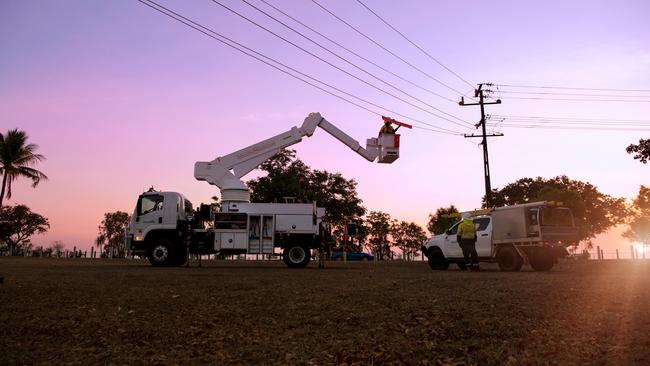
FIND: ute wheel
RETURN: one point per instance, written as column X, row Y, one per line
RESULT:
column 296, row 256
column 509, row 260
column 161, row 253
column 437, row 260
column 541, row 260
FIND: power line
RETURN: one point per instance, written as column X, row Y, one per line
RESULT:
column 215, row 35
column 357, row 54
column 575, row 94
column 499, row 116
column 463, row 124
column 583, row 100
column 414, row 44
column 577, row 123
column 384, row 48
column 344, row 59
column 574, row 88
column 573, row 127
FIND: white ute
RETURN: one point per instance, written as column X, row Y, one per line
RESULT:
column 534, row 233
column 165, row 228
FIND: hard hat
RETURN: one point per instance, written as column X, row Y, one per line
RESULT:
column 465, row 215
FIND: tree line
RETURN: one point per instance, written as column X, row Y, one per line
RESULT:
column 376, row 231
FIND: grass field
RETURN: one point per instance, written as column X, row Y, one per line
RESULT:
column 69, row 311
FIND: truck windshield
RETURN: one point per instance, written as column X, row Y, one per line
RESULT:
column 150, row 203
column 560, row 216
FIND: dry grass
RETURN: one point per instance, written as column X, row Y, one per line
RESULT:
column 125, row 312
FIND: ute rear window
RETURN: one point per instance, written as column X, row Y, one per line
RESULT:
column 556, row 217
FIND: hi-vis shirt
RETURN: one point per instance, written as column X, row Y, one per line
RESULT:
column 466, row 230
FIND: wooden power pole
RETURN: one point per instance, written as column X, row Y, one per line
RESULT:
column 478, row 93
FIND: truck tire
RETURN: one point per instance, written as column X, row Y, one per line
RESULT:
column 542, row 259
column 509, row 259
column 161, row 253
column 437, row 260
column 296, row 256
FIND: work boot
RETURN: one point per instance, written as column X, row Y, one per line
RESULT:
column 475, row 267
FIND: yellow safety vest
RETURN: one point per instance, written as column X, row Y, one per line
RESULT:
column 467, row 230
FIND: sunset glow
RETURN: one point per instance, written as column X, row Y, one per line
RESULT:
column 119, row 98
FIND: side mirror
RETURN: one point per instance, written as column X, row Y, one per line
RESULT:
column 448, row 232
column 137, row 219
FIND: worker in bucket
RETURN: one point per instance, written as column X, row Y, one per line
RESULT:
column 387, row 128
column 466, row 236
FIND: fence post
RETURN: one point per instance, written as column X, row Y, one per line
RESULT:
column 602, row 254
column 617, row 254
column 598, row 253
column 632, row 251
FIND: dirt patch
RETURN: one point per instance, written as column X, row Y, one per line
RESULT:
column 246, row 312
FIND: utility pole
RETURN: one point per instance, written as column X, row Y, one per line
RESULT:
column 478, row 93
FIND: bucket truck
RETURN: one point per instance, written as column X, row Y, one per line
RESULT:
column 165, row 227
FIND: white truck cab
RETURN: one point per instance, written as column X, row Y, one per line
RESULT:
column 157, row 226
column 533, row 233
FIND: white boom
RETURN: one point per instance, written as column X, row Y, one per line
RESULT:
column 226, row 171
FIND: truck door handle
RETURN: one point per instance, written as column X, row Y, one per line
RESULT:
column 484, row 234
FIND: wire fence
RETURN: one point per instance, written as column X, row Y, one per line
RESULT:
column 597, row 253
column 631, row 253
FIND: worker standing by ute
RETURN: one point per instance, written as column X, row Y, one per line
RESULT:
column 466, row 236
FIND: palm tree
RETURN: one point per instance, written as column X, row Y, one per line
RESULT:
column 17, row 159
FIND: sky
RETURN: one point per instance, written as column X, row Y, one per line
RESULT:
column 120, row 97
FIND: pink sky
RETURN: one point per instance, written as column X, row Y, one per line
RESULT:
column 120, row 98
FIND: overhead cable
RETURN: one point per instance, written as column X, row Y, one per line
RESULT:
column 573, row 88
column 414, row 44
column 252, row 53
column 357, row 54
column 583, row 100
column 570, row 127
column 384, row 48
column 499, row 116
column 575, row 94
column 461, row 123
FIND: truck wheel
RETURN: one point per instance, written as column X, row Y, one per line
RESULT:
column 509, row 260
column 296, row 256
column 542, row 260
column 161, row 253
column 437, row 260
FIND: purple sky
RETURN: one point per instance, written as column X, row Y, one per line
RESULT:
column 120, row 97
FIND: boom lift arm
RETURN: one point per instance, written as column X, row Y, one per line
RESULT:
column 226, row 171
